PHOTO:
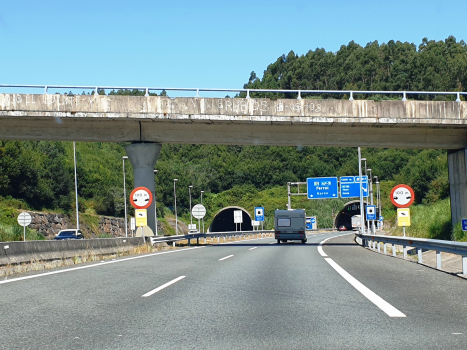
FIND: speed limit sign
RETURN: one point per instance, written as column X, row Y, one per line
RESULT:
column 402, row 196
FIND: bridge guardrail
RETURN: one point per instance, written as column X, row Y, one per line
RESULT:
column 247, row 91
column 373, row 242
column 159, row 239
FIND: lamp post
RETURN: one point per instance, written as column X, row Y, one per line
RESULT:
column 76, row 187
column 155, row 202
column 175, row 201
column 189, row 192
column 202, row 204
column 378, row 198
column 360, row 159
column 371, row 199
column 124, row 196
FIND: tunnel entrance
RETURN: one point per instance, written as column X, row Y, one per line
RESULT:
column 344, row 217
column 224, row 220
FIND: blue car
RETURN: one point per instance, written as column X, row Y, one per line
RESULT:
column 69, row 234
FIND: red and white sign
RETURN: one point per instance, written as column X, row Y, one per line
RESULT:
column 141, row 198
column 402, row 196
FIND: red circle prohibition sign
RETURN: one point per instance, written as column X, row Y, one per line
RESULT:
column 402, row 196
column 141, row 198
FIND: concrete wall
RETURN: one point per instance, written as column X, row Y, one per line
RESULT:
column 410, row 124
column 20, row 252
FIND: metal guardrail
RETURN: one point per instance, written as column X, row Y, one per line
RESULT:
column 421, row 244
column 299, row 92
column 159, row 239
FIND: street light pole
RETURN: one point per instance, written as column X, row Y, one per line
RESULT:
column 155, row 202
column 191, row 216
column 202, row 204
column 124, row 196
column 371, row 200
column 175, row 201
column 362, row 227
column 76, row 187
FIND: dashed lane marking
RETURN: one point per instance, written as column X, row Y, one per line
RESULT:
column 158, row 289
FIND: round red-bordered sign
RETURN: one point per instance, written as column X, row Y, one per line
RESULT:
column 402, row 196
column 141, row 198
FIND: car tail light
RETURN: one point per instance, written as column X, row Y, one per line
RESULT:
column 302, row 232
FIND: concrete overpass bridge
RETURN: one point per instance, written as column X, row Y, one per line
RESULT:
column 150, row 121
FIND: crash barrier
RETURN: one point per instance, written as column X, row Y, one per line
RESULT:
column 21, row 252
column 237, row 235
column 421, row 244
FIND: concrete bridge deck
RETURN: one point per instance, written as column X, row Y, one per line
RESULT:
column 249, row 121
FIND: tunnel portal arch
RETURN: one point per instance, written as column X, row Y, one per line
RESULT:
column 344, row 216
column 224, row 220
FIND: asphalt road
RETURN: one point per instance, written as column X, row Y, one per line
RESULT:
column 246, row 295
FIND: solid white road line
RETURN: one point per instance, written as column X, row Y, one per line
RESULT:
column 253, row 248
column 226, row 257
column 390, row 310
column 154, row 291
column 320, row 251
column 96, row 265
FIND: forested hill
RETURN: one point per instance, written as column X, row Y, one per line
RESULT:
column 432, row 66
column 41, row 173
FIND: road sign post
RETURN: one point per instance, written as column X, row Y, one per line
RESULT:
column 24, row 219
column 198, row 212
column 238, row 218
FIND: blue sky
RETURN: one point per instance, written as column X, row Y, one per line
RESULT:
column 199, row 44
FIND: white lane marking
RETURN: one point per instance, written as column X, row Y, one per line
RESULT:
column 320, row 251
column 390, row 310
column 253, row 248
column 154, row 291
column 226, row 257
column 96, row 265
column 320, row 248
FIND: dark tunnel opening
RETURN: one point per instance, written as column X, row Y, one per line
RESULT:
column 224, row 221
column 344, row 217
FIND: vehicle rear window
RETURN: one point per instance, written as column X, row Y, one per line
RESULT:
column 67, row 233
column 283, row 222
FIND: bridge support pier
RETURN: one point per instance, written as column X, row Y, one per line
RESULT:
column 457, row 165
column 143, row 158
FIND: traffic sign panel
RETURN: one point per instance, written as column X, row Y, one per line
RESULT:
column 259, row 214
column 141, row 217
column 350, row 186
column 238, row 217
column 321, row 187
column 402, row 196
column 24, row 219
column 403, row 217
column 464, row 224
column 371, row 212
column 141, row 198
column 198, row 211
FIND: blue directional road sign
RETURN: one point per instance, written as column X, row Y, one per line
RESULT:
column 371, row 212
column 350, row 186
column 313, row 220
column 259, row 214
column 322, row 187
column 464, row 224
column 381, row 218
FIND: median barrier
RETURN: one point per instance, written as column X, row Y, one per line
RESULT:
column 24, row 252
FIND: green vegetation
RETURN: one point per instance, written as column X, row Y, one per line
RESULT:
column 38, row 175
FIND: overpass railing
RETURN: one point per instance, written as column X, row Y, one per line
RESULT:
column 218, row 235
column 421, row 244
column 299, row 92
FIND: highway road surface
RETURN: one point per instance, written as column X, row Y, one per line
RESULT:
column 252, row 294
